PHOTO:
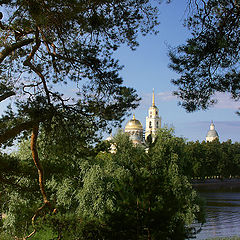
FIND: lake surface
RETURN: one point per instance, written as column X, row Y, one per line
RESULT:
column 222, row 210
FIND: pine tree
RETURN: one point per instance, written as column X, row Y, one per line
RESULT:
column 209, row 61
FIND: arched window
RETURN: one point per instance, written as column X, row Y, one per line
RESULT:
column 150, row 124
column 157, row 124
column 156, row 112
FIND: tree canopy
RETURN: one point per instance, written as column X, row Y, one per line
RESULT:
column 46, row 44
column 209, row 61
column 127, row 195
column 200, row 157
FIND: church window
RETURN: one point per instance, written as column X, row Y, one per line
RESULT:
column 157, row 124
column 156, row 112
column 150, row 124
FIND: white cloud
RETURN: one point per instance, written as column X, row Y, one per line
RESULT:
column 224, row 101
column 159, row 97
column 166, row 96
column 222, row 124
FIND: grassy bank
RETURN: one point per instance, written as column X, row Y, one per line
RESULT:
column 47, row 237
column 42, row 234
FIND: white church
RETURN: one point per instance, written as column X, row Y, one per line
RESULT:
column 153, row 122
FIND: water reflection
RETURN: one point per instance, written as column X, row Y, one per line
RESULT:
column 223, row 211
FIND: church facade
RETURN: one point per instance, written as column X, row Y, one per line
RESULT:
column 153, row 122
column 135, row 130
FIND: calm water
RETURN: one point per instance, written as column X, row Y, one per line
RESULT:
column 223, row 212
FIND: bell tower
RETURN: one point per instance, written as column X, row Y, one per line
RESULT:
column 153, row 121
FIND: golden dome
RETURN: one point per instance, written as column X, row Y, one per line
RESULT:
column 133, row 124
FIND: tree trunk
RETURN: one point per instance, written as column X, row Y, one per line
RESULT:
column 40, row 177
column 37, row 162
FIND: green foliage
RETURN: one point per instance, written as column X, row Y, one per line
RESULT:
column 127, row 195
column 209, row 61
column 5, row 236
column 18, row 182
column 201, row 157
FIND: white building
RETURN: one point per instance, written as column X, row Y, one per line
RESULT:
column 153, row 121
column 212, row 134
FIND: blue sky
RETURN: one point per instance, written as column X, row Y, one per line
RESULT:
column 147, row 68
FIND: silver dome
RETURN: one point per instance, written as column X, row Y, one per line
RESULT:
column 212, row 133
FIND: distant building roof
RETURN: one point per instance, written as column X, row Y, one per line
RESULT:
column 133, row 124
column 212, row 133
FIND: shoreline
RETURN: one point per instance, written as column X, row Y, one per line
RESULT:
column 228, row 183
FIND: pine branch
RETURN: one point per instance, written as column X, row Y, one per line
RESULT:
column 9, row 49
column 13, row 132
column 6, row 95
column 28, row 63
